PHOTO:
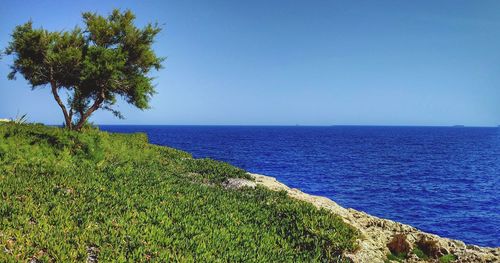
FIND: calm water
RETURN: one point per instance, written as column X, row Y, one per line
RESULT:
column 442, row 180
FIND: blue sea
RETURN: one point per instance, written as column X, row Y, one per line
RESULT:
column 443, row 180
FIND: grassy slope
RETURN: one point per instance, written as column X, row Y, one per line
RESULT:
column 63, row 192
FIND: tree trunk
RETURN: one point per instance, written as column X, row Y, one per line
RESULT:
column 67, row 117
column 86, row 115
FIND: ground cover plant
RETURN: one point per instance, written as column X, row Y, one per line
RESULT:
column 69, row 196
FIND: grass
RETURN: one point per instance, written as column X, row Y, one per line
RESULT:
column 396, row 257
column 447, row 258
column 65, row 193
column 420, row 254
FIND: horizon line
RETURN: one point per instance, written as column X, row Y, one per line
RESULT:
column 300, row 125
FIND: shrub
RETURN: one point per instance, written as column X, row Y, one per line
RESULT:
column 429, row 247
column 419, row 253
column 398, row 245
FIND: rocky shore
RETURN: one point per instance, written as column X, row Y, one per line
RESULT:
column 377, row 233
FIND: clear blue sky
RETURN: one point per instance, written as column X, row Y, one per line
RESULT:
column 295, row 62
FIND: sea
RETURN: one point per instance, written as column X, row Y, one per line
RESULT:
column 442, row 180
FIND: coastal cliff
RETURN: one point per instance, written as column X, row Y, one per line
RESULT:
column 376, row 232
column 96, row 196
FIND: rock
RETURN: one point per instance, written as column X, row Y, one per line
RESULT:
column 473, row 247
column 92, row 253
column 237, row 183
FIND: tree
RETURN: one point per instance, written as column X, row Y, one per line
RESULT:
column 110, row 57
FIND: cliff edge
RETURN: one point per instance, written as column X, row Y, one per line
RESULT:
column 377, row 232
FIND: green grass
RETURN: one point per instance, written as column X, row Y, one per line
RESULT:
column 420, row 254
column 447, row 258
column 396, row 257
column 63, row 192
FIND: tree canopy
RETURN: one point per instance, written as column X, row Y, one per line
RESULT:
column 109, row 57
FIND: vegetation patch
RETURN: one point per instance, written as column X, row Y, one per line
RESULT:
column 429, row 247
column 73, row 196
column 447, row 258
column 396, row 257
column 419, row 253
column 399, row 245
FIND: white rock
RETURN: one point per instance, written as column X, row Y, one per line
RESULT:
column 237, row 183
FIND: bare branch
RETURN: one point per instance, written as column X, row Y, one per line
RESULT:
column 67, row 118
